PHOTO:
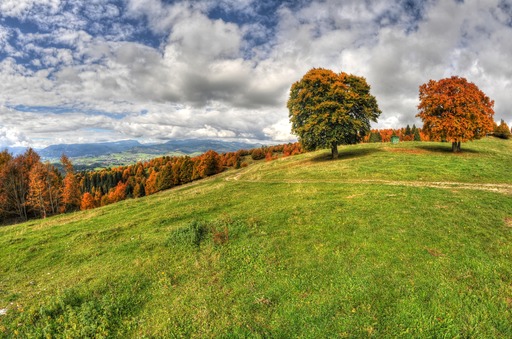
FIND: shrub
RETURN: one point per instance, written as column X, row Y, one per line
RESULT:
column 196, row 233
column 502, row 131
column 192, row 234
column 258, row 154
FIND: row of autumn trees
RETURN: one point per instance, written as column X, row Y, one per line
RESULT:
column 501, row 130
column 405, row 134
column 414, row 133
column 327, row 109
column 112, row 185
column 30, row 188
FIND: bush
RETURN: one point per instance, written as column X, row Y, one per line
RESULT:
column 196, row 233
column 193, row 234
column 258, row 154
column 502, row 131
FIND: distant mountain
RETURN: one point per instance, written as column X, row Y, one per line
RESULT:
column 16, row 150
column 198, row 145
column 88, row 150
column 186, row 146
column 189, row 146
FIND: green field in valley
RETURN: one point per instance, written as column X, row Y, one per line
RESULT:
column 388, row 241
column 89, row 163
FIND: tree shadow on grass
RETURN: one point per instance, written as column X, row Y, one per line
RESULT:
column 345, row 154
column 446, row 148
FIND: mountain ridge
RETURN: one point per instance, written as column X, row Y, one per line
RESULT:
column 186, row 146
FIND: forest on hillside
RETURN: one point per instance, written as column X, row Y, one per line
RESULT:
column 31, row 188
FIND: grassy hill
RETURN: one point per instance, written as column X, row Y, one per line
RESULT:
column 390, row 240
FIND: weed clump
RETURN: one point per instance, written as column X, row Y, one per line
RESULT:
column 192, row 234
column 198, row 232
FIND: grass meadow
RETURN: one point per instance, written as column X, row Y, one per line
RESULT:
column 388, row 241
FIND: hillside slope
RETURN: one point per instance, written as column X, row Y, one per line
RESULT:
column 387, row 241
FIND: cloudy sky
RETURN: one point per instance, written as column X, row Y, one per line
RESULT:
column 76, row 71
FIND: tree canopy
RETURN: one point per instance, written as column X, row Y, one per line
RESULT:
column 327, row 109
column 455, row 110
column 502, row 130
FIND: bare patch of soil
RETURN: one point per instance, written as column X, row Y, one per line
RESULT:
column 508, row 222
column 509, row 302
column 405, row 150
column 499, row 188
column 453, row 186
column 434, row 252
column 354, row 196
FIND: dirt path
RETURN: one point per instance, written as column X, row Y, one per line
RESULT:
column 498, row 188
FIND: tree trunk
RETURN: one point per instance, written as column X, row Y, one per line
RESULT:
column 334, row 150
column 456, row 146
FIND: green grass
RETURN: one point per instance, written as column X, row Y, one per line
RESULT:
column 364, row 246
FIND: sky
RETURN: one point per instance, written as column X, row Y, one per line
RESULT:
column 74, row 71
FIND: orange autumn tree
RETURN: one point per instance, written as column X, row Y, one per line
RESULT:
column 118, row 193
column 44, row 189
column 71, row 196
column 87, row 202
column 455, row 110
column 502, row 131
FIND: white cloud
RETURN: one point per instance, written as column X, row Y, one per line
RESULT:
column 205, row 39
column 225, row 78
column 280, row 131
column 12, row 137
column 19, row 8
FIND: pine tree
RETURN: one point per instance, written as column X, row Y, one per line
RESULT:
column 408, row 130
column 375, row 136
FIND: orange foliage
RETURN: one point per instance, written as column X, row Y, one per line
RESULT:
column 386, row 134
column 502, row 130
column 151, row 183
column 209, row 164
column 145, row 178
column 87, row 202
column 258, row 154
column 71, row 196
column 44, row 189
column 455, row 110
column 118, row 193
column 38, row 190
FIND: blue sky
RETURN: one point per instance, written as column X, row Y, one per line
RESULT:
column 88, row 71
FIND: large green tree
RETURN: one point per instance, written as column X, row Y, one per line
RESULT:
column 328, row 109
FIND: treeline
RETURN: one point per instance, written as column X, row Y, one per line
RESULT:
column 108, row 186
column 30, row 188
column 413, row 133
column 502, row 130
column 405, row 134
